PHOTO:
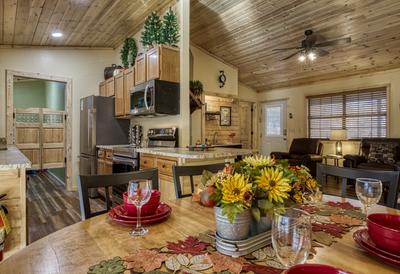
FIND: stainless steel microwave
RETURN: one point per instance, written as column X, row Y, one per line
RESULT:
column 155, row 97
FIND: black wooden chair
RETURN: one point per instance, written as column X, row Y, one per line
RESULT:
column 390, row 179
column 190, row 171
column 85, row 182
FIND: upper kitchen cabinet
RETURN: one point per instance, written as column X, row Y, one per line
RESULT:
column 163, row 64
column 129, row 83
column 119, row 94
column 102, row 89
column 140, row 69
column 110, row 87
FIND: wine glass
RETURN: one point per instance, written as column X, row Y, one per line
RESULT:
column 139, row 193
column 369, row 192
column 291, row 236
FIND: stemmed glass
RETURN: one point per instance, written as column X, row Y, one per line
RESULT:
column 369, row 192
column 139, row 193
column 291, row 236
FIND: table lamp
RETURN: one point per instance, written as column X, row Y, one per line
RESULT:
column 338, row 135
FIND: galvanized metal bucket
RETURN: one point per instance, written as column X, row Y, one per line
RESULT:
column 263, row 225
column 237, row 230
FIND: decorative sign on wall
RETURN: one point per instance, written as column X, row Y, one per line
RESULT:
column 225, row 116
column 221, row 78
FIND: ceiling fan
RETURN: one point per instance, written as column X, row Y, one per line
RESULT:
column 310, row 48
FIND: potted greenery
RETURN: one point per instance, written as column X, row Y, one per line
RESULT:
column 196, row 89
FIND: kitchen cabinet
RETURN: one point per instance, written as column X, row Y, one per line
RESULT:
column 104, row 161
column 110, row 87
column 162, row 62
column 119, row 95
column 102, row 89
column 129, row 83
column 140, row 69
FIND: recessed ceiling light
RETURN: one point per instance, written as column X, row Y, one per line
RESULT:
column 302, row 57
column 57, row 34
column 312, row 56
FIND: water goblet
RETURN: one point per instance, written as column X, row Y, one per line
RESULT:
column 369, row 192
column 139, row 193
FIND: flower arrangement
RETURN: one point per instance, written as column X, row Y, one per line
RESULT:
column 261, row 184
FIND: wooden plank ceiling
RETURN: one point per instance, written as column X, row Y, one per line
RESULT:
column 244, row 32
column 84, row 23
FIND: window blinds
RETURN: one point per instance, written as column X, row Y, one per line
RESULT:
column 363, row 113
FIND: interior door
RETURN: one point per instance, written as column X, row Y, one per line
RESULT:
column 274, row 133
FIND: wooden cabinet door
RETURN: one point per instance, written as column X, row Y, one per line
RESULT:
column 153, row 64
column 167, row 188
column 102, row 89
column 169, row 64
column 108, row 167
column 110, row 87
column 100, row 166
column 140, row 69
column 119, row 94
column 129, row 83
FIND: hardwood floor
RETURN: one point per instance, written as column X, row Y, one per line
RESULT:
column 49, row 206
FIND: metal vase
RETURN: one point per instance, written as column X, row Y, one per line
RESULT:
column 237, row 230
column 263, row 225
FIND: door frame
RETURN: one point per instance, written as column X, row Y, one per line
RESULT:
column 262, row 126
column 68, row 110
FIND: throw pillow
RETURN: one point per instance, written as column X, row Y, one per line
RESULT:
column 383, row 153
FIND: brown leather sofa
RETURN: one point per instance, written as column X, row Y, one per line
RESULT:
column 363, row 161
column 303, row 151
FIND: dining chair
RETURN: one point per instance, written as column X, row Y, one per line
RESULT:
column 190, row 171
column 85, row 182
column 390, row 179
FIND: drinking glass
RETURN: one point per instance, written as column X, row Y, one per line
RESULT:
column 291, row 236
column 369, row 192
column 139, row 193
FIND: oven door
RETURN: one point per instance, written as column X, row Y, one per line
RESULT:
column 142, row 100
column 121, row 165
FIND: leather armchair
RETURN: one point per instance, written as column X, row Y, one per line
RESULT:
column 361, row 160
column 303, row 151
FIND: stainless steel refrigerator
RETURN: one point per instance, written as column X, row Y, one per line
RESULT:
column 98, row 127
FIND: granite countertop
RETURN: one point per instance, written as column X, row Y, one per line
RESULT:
column 13, row 158
column 214, row 153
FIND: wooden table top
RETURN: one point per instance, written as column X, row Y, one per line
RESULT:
column 75, row 248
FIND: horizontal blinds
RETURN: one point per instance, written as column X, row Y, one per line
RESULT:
column 363, row 113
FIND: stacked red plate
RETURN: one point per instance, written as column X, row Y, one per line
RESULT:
column 120, row 215
column 364, row 241
column 315, row 269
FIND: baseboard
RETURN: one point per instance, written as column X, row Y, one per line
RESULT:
column 55, row 177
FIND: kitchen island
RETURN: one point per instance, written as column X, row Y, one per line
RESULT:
column 164, row 159
column 13, row 165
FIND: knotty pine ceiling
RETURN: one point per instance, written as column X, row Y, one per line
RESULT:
column 244, row 32
column 84, row 23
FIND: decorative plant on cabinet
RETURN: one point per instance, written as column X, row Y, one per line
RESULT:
column 151, row 34
column 196, row 89
column 170, row 29
column 128, row 52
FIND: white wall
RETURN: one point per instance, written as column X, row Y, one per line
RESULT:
column 297, row 103
column 85, row 67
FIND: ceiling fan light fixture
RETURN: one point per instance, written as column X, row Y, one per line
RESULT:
column 302, row 57
column 311, row 56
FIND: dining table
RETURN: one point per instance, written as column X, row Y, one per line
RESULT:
column 75, row 248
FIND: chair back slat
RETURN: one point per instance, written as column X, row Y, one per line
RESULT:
column 85, row 182
column 388, row 178
column 190, row 171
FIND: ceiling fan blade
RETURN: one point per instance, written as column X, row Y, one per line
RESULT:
column 322, row 52
column 291, row 55
column 341, row 41
column 287, row 48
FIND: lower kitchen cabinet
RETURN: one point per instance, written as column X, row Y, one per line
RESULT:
column 104, row 162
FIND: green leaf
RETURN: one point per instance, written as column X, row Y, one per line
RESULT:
column 265, row 205
column 255, row 212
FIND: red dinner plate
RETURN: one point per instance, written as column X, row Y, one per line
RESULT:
column 113, row 216
column 123, row 213
column 315, row 269
column 376, row 252
column 364, row 237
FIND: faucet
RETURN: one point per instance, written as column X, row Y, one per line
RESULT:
column 214, row 140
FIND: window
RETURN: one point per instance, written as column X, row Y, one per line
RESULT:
column 273, row 117
column 363, row 113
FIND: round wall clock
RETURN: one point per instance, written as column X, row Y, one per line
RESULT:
column 221, row 78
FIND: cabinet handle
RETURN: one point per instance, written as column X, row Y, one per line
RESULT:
column 163, row 166
column 144, row 162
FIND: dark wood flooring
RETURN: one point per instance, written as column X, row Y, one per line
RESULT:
column 49, row 206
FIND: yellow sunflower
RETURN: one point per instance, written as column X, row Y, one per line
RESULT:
column 257, row 161
column 312, row 184
column 235, row 188
column 273, row 182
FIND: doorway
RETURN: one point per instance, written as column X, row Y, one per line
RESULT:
column 274, row 133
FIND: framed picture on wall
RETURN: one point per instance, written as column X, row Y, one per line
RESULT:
column 225, row 116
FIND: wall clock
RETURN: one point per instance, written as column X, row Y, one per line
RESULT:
column 222, row 78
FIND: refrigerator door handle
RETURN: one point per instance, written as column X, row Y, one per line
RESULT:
column 91, row 127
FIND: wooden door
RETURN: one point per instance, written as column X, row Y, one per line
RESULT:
column 53, row 139
column 27, row 134
column 119, row 94
column 129, row 83
column 110, row 87
column 140, row 69
column 246, row 124
column 153, row 64
column 102, row 89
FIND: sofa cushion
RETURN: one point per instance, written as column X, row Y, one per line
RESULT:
column 377, row 166
column 383, row 153
column 304, row 146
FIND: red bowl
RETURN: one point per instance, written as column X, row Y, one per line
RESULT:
column 314, row 269
column 147, row 209
column 384, row 231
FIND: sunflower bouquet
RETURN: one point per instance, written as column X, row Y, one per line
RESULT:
column 261, row 184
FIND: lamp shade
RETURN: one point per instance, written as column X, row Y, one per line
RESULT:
column 338, row 135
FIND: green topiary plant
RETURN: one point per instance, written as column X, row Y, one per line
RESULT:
column 170, row 29
column 128, row 52
column 152, row 30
